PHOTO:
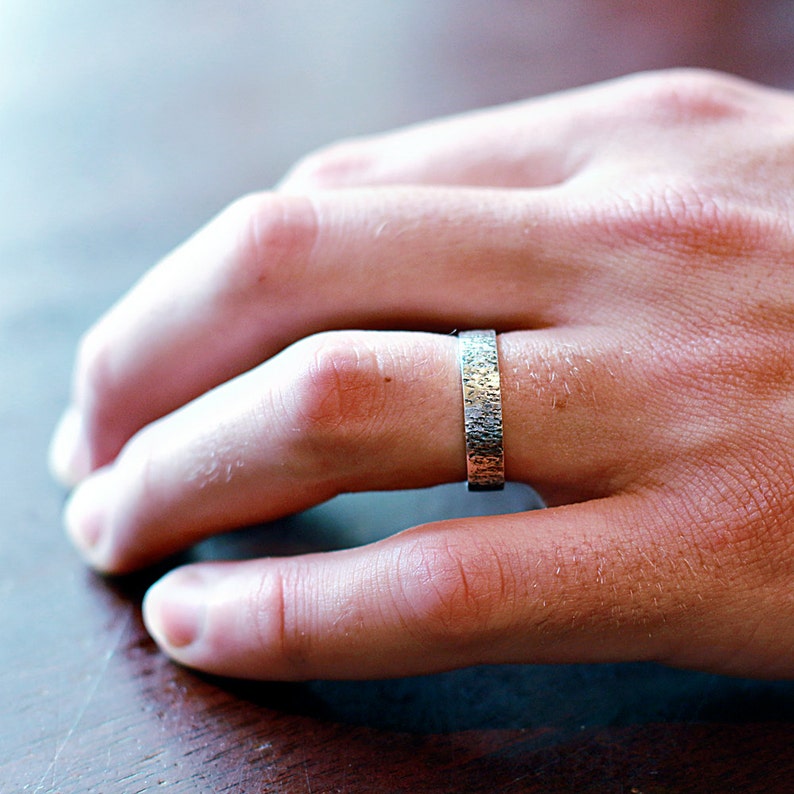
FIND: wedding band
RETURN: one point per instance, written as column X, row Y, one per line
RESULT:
column 482, row 410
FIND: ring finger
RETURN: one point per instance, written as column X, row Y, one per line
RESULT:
column 353, row 411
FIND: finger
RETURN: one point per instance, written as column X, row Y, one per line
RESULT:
column 358, row 411
column 539, row 142
column 535, row 143
column 527, row 144
column 591, row 583
column 273, row 269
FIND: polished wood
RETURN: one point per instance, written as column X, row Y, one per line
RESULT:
column 123, row 126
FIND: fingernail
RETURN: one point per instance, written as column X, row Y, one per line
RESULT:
column 68, row 456
column 175, row 608
column 85, row 514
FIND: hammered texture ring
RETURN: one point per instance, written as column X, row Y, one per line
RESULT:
column 482, row 410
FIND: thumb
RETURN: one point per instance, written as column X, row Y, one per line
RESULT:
column 559, row 585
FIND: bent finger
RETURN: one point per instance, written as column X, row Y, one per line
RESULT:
column 274, row 269
column 352, row 411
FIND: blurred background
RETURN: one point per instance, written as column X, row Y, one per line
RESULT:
column 123, row 127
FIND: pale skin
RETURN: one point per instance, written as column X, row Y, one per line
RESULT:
column 632, row 243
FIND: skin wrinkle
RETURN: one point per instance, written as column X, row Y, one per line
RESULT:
column 432, row 601
column 282, row 633
column 711, row 540
column 754, row 498
column 666, row 215
column 450, row 593
column 267, row 614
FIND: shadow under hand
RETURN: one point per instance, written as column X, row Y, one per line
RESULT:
column 567, row 698
column 357, row 519
column 508, row 697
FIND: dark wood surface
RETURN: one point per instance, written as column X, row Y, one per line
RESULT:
column 123, row 126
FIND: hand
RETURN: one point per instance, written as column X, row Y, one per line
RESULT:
column 632, row 242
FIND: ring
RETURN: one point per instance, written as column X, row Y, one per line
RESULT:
column 482, row 410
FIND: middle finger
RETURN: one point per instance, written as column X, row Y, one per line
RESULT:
column 273, row 269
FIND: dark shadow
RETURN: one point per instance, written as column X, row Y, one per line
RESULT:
column 510, row 697
column 356, row 519
column 347, row 521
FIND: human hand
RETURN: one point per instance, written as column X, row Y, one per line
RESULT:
column 633, row 244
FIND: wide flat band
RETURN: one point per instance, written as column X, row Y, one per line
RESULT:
column 482, row 410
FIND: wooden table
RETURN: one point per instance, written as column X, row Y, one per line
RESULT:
column 123, row 127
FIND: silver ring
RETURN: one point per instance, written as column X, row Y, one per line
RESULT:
column 482, row 410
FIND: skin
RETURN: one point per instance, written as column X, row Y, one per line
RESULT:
column 632, row 244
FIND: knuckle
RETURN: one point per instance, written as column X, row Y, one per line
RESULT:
column 338, row 394
column 690, row 206
column 684, row 215
column 273, row 238
column 451, row 594
column 342, row 163
column 683, row 96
